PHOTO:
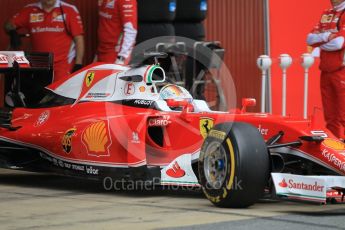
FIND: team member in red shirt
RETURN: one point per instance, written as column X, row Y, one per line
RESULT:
column 329, row 35
column 54, row 26
column 117, row 30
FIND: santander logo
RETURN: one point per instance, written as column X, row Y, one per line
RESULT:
column 175, row 171
column 301, row 185
column 283, row 184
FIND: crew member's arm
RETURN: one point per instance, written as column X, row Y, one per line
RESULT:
column 128, row 13
column 80, row 49
column 317, row 37
column 9, row 26
column 20, row 20
column 336, row 40
column 77, row 31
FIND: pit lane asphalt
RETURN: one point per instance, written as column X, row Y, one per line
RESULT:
column 43, row 201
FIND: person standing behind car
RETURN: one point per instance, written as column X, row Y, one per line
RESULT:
column 117, row 30
column 54, row 26
column 329, row 36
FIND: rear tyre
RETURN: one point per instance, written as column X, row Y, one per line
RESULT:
column 233, row 165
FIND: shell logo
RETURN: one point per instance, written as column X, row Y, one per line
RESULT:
column 334, row 144
column 96, row 138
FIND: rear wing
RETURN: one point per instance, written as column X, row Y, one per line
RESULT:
column 27, row 68
column 27, row 61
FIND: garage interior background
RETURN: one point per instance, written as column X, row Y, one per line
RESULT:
column 240, row 27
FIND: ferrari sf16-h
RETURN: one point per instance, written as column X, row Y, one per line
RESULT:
column 126, row 123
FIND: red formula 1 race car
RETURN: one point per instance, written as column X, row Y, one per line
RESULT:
column 114, row 121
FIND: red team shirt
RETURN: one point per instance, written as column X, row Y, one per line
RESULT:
column 117, row 29
column 331, row 22
column 332, row 62
column 48, row 32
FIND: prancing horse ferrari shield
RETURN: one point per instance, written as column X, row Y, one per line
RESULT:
column 206, row 125
column 89, row 78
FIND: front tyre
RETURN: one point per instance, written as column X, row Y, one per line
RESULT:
column 233, row 165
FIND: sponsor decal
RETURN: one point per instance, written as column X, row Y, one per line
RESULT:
column 91, row 170
column 135, row 138
column 217, row 134
column 55, row 29
column 302, row 186
column 143, row 102
column 42, row 118
column 333, row 159
column 175, row 171
column 310, row 188
column 58, row 17
column 142, row 89
column 327, row 18
column 334, row 144
column 38, row 17
column 92, row 77
column 263, row 131
column 20, row 59
column 71, row 166
column 129, row 89
column 97, row 95
column 320, row 133
column 3, row 59
column 67, row 140
column 96, row 138
column 283, row 184
column 159, row 121
column 179, row 172
column 89, row 78
column 205, row 125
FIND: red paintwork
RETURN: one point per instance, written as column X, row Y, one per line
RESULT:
column 116, row 135
column 121, row 149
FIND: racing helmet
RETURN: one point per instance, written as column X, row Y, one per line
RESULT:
column 177, row 94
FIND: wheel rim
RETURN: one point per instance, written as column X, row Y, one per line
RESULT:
column 215, row 165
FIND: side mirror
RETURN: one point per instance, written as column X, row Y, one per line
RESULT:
column 247, row 102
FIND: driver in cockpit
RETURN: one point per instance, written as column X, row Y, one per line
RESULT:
column 176, row 97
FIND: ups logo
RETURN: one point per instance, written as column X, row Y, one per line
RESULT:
column 67, row 140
